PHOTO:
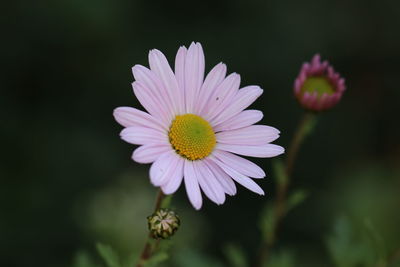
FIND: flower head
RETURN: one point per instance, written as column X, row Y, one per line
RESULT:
column 163, row 223
column 195, row 127
column 318, row 87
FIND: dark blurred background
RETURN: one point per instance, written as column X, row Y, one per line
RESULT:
column 67, row 180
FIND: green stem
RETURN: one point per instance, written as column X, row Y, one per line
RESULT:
column 304, row 127
column 148, row 251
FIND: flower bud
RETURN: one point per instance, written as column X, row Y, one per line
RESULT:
column 318, row 87
column 163, row 223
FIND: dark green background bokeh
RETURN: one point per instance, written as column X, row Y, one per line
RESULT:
column 65, row 65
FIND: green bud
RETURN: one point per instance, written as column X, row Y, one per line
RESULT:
column 163, row 223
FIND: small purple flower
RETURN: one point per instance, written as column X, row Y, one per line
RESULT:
column 318, row 87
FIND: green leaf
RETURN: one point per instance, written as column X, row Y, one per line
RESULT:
column 108, row 255
column 235, row 255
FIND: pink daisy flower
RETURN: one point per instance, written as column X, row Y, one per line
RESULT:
column 195, row 128
column 318, row 87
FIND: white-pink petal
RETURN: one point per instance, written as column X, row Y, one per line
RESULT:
column 151, row 93
column 180, row 60
column 242, row 165
column 240, row 178
column 139, row 135
column 224, row 179
column 159, row 64
column 192, row 185
column 213, row 79
column 251, row 135
column 148, row 100
column 244, row 98
column 164, row 168
column 222, row 96
column 175, row 179
column 194, row 74
column 208, row 183
column 261, row 151
column 149, row 153
column 127, row 117
column 243, row 119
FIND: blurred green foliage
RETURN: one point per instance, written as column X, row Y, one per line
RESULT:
column 109, row 255
column 281, row 259
column 235, row 255
column 83, row 259
column 67, row 180
column 346, row 249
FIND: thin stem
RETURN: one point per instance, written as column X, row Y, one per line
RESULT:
column 147, row 249
column 303, row 129
column 159, row 199
column 280, row 204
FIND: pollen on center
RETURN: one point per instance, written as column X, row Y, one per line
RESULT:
column 191, row 136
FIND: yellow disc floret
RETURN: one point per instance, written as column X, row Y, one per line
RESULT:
column 318, row 84
column 191, row 136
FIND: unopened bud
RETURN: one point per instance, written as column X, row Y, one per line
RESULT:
column 318, row 87
column 163, row 223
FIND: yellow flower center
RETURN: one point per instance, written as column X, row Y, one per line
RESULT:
column 318, row 84
column 191, row 136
